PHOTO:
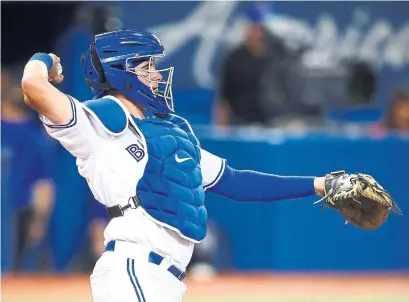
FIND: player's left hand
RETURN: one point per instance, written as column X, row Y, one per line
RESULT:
column 359, row 198
column 319, row 185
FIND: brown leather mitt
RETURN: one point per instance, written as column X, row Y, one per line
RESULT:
column 359, row 198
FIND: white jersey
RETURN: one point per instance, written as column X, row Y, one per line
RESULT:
column 112, row 173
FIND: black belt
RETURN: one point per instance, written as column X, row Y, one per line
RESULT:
column 118, row 211
column 155, row 259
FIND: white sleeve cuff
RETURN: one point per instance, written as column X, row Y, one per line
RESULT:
column 212, row 168
column 71, row 123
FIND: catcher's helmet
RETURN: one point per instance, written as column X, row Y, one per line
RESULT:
column 110, row 63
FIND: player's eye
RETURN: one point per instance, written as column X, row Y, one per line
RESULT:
column 144, row 66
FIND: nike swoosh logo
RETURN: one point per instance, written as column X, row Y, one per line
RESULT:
column 181, row 160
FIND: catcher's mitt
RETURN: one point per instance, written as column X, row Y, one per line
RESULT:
column 359, row 198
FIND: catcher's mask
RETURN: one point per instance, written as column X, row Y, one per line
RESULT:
column 111, row 62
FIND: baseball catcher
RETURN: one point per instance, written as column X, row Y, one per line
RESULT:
column 146, row 165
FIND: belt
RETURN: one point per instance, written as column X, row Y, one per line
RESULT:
column 118, row 211
column 155, row 259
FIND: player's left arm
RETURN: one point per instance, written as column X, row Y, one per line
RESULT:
column 359, row 198
column 247, row 185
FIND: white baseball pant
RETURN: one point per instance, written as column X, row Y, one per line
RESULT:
column 125, row 275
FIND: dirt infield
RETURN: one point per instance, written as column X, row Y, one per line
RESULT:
column 260, row 287
column 284, row 285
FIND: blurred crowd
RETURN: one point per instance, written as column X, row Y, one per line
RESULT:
column 262, row 82
column 259, row 84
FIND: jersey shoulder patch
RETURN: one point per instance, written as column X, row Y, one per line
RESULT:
column 109, row 113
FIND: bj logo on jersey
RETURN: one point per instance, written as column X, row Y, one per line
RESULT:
column 136, row 152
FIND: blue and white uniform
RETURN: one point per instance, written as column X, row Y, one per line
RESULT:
column 160, row 161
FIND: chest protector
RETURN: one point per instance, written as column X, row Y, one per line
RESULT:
column 171, row 189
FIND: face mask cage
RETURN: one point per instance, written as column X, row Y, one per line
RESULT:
column 158, row 80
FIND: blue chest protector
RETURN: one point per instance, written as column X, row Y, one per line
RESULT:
column 171, row 188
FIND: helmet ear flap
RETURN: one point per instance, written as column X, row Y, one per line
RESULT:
column 87, row 80
column 97, row 82
column 97, row 63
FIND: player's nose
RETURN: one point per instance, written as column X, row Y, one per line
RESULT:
column 156, row 76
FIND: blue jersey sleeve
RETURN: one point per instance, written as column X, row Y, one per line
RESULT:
column 244, row 185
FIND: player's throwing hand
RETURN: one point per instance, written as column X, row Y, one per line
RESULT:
column 55, row 73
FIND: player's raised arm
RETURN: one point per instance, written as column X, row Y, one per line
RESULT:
column 63, row 116
column 39, row 94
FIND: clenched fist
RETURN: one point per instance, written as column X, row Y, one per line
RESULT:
column 55, row 74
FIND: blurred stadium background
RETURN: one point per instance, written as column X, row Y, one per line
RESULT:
column 292, row 88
